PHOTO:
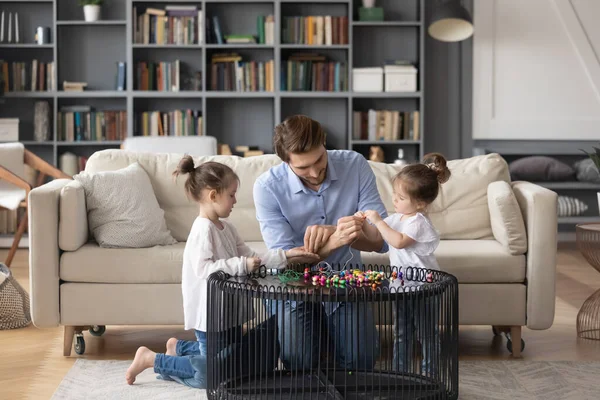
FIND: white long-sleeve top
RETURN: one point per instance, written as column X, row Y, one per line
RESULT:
column 208, row 250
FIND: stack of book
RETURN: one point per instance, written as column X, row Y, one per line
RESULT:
column 27, row 76
column 176, row 24
column 230, row 73
column 172, row 123
column 385, row 125
column 315, row 30
column 81, row 123
column 161, row 76
column 313, row 72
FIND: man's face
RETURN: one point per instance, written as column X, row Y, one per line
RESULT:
column 310, row 167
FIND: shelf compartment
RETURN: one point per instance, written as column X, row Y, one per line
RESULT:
column 386, row 142
column 293, row 23
column 331, row 113
column 241, row 122
column 71, row 11
column 148, row 105
column 31, row 15
column 372, row 47
column 86, row 56
column 239, row 20
column 190, row 66
column 394, row 10
column 24, row 110
column 390, row 151
column 214, row 71
column 300, row 79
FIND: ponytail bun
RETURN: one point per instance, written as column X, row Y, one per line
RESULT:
column 186, row 166
column 437, row 162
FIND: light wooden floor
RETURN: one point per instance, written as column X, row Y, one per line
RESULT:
column 32, row 365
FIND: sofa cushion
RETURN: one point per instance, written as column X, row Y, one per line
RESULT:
column 461, row 208
column 471, row 261
column 540, row 168
column 91, row 263
column 507, row 220
column 180, row 211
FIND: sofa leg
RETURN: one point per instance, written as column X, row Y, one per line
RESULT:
column 68, row 340
column 515, row 337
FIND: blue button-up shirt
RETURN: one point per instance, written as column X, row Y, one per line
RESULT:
column 285, row 207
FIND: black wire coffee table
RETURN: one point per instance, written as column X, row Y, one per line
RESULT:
column 415, row 311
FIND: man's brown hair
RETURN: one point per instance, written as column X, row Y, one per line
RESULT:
column 297, row 134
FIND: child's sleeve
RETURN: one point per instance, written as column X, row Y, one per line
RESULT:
column 271, row 258
column 420, row 231
column 205, row 264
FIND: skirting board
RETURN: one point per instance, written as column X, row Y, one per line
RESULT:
column 6, row 242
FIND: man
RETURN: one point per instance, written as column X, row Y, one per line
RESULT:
column 310, row 200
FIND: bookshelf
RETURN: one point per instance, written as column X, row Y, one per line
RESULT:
column 90, row 51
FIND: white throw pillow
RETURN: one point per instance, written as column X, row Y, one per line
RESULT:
column 507, row 221
column 123, row 210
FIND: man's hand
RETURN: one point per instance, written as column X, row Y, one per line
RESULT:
column 301, row 255
column 373, row 216
column 349, row 229
column 252, row 264
column 316, row 236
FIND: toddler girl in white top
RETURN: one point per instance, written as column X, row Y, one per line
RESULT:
column 213, row 245
column 412, row 239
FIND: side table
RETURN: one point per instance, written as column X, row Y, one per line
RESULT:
column 588, row 318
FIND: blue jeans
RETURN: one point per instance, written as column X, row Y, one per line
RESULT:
column 416, row 318
column 241, row 354
column 179, row 368
column 350, row 327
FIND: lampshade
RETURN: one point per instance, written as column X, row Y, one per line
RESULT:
column 450, row 22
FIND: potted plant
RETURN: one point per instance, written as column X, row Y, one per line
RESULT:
column 595, row 157
column 91, row 9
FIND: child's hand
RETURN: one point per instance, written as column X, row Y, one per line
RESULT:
column 252, row 264
column 360, row 214
column 373, row 216
column 301, row 252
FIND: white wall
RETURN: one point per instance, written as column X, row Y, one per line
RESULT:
column 536, row 70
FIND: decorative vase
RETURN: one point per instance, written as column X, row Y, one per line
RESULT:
column 91, row 13
column 368, row 3
column 41, row 121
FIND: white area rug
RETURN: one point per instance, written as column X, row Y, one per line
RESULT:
column 485, row 380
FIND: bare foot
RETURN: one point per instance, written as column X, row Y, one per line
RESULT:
column 171, row 347
column 144, row 358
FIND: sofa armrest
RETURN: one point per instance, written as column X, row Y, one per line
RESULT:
column 44, row 254
column 73, row 222
column 538, row 206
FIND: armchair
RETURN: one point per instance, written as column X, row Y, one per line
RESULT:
column 14, row 189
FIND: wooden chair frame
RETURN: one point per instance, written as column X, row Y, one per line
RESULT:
column 45, row 169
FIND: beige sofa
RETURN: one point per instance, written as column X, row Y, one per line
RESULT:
column 506, row 276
